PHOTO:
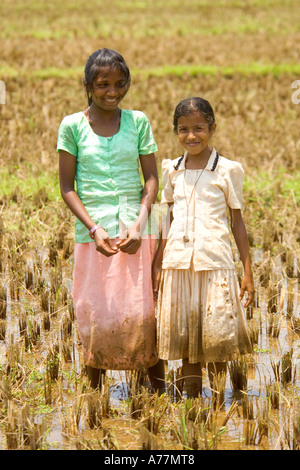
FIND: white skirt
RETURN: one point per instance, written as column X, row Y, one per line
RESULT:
column 200, row 316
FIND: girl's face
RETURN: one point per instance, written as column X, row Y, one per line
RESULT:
column 109, row 88
column 194, row 133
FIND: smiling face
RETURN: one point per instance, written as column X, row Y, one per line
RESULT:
column 109, row 88
column 194, row 134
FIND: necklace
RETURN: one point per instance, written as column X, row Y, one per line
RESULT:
column 185, row 236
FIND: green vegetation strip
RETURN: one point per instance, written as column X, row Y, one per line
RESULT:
column 175, row 70
column 28, row 182
column 242, row 69
column 264, row 185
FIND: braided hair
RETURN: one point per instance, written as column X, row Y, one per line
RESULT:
column 178, row 163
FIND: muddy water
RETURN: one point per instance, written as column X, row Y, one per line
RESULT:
column 270, row 345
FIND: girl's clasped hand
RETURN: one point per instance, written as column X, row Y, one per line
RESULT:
column 129, row 241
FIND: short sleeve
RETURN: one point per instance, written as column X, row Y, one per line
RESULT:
column 234, row 177
column 66, row 137
column 146, row 142
column 167, row 192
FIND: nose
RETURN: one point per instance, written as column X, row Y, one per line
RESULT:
column 191, row 135
column 112, row 91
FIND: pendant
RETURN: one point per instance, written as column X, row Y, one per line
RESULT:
column 186, row 238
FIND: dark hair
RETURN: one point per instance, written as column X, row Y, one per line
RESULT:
column 191, row 105
column 99, row 59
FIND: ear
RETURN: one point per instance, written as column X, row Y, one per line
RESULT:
column 212, row 129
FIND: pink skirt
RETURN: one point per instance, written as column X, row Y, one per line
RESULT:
column 114, row 307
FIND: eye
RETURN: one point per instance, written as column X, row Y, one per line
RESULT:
column 101, row 85
column 121, row 84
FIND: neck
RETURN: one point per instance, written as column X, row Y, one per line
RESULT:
column 196, row 162
column 96, row 113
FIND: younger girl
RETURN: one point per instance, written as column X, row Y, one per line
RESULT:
column 200, row 316
column 101, row 148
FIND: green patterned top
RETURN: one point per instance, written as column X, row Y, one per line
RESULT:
column 108, row 179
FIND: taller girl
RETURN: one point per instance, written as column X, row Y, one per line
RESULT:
column 200, row 316
column 101, row 148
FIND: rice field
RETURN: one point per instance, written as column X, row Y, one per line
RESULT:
column 243, row 56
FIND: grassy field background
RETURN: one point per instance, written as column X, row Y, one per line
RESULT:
column 243, row 56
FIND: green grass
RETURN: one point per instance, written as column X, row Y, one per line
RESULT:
column 28, row 182
column 54, row 20
column 242, row 69
column 265, row 185
column 252, row 69
column 270, row 186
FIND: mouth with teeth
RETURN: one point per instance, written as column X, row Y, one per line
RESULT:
column 111, row 100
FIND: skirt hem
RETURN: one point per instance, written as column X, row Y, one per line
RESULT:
column 200, row 316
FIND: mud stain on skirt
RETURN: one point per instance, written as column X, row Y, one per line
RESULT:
column 114, row 307
column 200, row 316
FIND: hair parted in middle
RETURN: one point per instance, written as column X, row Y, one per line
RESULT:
column 97, row 61
column 192, row 105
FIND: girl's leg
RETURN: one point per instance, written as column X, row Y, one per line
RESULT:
column 215, row 369
column 157, row 377
column 217, row 377
column 95, row 377
column 192, row 374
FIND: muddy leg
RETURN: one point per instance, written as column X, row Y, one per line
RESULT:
column 215, row 369
column 217, row 378
column 192, row 374
column 95, row 377
column 157, row 377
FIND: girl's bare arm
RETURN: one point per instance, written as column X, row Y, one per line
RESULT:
column 157, row 262
column 241, row 239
